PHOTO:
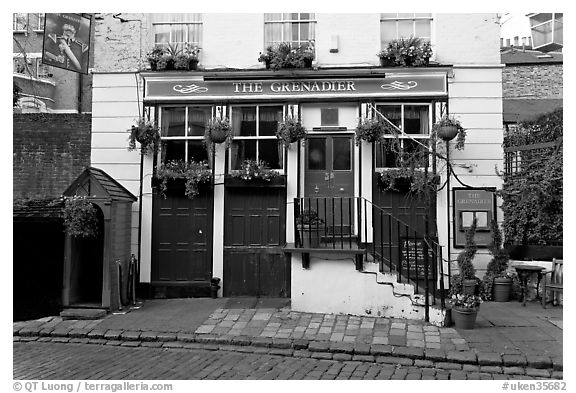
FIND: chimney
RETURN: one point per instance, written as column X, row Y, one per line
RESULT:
column 508, row 42
column 501, row 42
column 530, row 42
column 516, row 41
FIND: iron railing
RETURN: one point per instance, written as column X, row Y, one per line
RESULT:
column 355, row 223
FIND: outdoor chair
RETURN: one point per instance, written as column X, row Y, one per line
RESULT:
column 556, row 282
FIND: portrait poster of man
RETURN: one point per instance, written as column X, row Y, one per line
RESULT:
column 67, row 42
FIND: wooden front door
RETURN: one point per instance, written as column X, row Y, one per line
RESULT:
column 329, row 176
column 182, row 239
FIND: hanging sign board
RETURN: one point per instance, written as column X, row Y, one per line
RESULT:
column 470, row 204
column 172, row 88
column 67, row 42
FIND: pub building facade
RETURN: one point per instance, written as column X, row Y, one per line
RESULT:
column 370, row 251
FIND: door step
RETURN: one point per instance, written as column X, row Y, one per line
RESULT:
column 83, row 313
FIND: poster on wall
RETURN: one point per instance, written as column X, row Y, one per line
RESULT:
column 470, row 204
column 67, row 42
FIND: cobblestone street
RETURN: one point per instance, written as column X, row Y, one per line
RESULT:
column 49, row 360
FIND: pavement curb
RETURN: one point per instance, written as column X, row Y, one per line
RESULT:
column 534, row 366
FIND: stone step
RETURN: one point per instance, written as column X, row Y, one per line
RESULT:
column 83, row 313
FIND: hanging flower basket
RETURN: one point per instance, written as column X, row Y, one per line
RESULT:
column 147, row 134
column 448, row 128
column 290, row 131
column 218, row 130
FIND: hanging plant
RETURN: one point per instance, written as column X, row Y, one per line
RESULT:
column 193, row 172
column 80, row 217
column 448, row 128
column 253, row 170
column 404, row 179
column 218, row 130
column 147, row 134
column 370, row 130
column 290, row 130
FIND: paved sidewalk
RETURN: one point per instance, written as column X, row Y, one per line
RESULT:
column 508, row 338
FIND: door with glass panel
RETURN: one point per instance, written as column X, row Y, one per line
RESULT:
column 329, row 180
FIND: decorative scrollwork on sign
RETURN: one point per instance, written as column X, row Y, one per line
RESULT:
column 189, row 89
column 397, row 85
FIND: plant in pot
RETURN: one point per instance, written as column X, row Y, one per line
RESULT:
column 448, row 128
column 466, row 281
column 370, row 130
column 154, row 57
column 187, row 58
column 307, row 53
column 251, row 170
column 266, row 57
column 290, row 130
column 80, row 217
column 147, row 134
column 310, row 228
column 214, row 287
column 387, row 58
column 194, row 173
column 407, row 52
column 497, row 282
column 218, row 130
column 464, row 309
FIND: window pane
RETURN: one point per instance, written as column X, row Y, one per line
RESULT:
column 385, row 157
column 161, row 34
column 329, row 116
column 316, row 153
column 341, row 154
column 242, row 150
column 270, row 151
column 387, row 31
column 422, row 28
column 178, row 33
column 388, row 16
column 196, row 151
column 172, row 151
column 405, row 28
column 542, row 34
column 304, row 31
column 405, row 15
column 20, row 21
column 41, row 21
column 295, row 31
column 269, row 118
column 540, row 18
column 272, row 17
column 173, row 122
column 412, row 147
column 305, row 16
column 423, row 15
column 244, row 121
column 416, row 119
column 194, row 34
column 197, row 119
column 392, row 113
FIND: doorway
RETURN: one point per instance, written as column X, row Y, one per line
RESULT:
column 329, row 180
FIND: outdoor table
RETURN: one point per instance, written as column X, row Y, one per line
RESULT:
column 524, row 272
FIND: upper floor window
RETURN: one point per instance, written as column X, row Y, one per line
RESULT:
column 295, row 28
column 177, row 29
column 182, row 132
column 33, row 67
column 413, row 119
column 404, row 25
column 254, row 129
column 25, row 21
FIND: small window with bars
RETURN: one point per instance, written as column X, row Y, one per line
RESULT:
column 296, row 28
column 177, row 29
column 403, row 25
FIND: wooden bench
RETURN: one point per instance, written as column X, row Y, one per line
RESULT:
column 556, row 281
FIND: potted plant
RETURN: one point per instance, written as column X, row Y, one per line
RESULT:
column 497, row 282
column 254, row 173
column 466, row 281
column 193, row 173
column 307, row 52
column 370, row 130
column 147, row 134
column 448, row 128
column 80, row 217
column 187, row 58
column 214, row 287
column 284, row 55
column 464, row 310
column 408, row 52
column 154, row 57
column 266, row 57
column 310, row 228
column 290, row 130
column 218, row 130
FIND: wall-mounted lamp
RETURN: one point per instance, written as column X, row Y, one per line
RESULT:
column 334, row 43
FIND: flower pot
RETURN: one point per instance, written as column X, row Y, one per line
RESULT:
column 218, row 135
column 469, row 287
column 464, row 318
column 192, row 64
column 448, row 132
column 307, row 63
column 386, row 62
column 502, row 289
column 267, row 64
column 311, row 235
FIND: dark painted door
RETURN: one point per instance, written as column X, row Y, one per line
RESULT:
column 182, row 238
column 329, row 174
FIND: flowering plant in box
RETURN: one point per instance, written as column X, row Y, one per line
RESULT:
column 461, row 300
column 252, row 169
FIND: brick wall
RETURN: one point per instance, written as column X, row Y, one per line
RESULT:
column 533, row 81
column 49, row 152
